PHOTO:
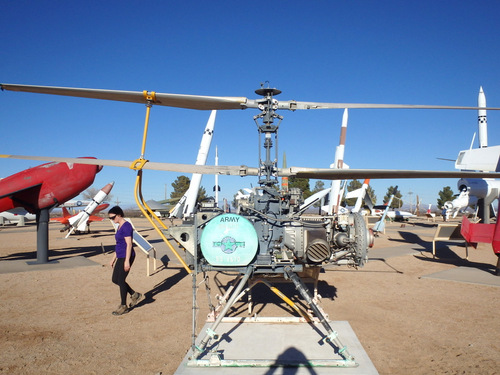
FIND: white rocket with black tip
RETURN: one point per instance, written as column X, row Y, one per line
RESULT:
column 482, row 122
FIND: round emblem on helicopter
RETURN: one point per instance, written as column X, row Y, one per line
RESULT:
column 228, row 245
column 229, row 240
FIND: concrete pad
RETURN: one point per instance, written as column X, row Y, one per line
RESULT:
column 284, row 341
column 469, row 275
column 12, row 266
column 394, row 251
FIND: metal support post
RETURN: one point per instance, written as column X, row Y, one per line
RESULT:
column 42, row 236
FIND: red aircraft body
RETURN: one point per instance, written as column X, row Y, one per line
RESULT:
column 46, row 185
column 478, row 232
column 474, row 233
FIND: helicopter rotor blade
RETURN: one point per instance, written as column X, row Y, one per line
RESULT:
column 207, row 102
column 350, row 174
column 169, row 167
column 170, row 100
column 293, row 105
column 315, row 173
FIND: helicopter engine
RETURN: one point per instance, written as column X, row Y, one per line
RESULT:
column 269, row 232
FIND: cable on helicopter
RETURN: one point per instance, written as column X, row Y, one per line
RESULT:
column 138, row 165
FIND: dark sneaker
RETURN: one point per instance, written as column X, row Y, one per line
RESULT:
column 122, row 309
column 135, row 299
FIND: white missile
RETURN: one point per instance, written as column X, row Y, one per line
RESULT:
column 482, row 122
column 335, row 193
column 380, row 225
column 188, row 200
column 79, row 222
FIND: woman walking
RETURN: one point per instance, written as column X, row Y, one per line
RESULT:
column 123, row 258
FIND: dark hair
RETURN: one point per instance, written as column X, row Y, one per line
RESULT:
column 116, row 210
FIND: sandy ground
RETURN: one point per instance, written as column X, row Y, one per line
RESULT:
column 59, row 321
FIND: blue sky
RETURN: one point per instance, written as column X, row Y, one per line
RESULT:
column 424, row 52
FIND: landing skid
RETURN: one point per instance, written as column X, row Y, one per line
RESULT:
column 206, row 352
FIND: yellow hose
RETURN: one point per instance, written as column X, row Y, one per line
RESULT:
column 138, row 165
column 148, row 215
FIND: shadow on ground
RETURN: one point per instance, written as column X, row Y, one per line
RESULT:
column 164, row 285
column 447, row 256
column 67, row 252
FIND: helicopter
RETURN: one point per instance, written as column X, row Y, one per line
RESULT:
column 269, row 235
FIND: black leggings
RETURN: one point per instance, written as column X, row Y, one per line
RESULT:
column 119, row 276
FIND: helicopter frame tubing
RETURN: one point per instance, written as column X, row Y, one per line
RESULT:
column 205, row 353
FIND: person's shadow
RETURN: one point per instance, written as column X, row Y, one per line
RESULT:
column 169, row 282
column 290, row 361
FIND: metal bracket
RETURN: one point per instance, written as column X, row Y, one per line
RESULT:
column 138, row 164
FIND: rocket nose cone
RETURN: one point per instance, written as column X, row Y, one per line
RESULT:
column 108, row 187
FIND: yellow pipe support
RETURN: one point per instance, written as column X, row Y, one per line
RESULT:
column 139, row 200
column 145, row 135
column 137, row 192
column 150, row 98
column 138, row 164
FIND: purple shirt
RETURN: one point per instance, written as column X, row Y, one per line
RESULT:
column 125, row 230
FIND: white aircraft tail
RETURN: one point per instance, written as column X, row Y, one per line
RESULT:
column 380, row 225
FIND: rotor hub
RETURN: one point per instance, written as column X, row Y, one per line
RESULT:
column 267, row 91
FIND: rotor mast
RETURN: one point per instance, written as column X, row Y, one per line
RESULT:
column 268, row 105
